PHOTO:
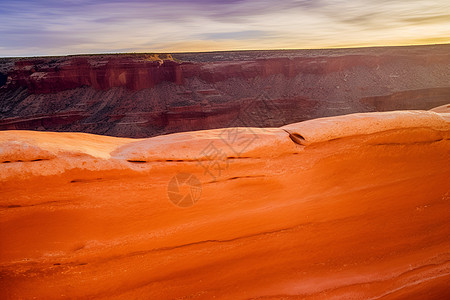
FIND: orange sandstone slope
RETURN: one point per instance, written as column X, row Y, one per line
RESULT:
column 352, row 207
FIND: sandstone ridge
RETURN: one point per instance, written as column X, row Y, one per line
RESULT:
column 90, row 152
column 354, row 206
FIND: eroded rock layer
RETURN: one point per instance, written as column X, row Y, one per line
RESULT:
column 142, row 95
column 349, row 207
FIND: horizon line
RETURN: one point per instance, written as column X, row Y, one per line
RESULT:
column 234, row 50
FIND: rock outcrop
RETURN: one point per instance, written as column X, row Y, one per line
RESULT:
column 141, row 95
column 345, row 207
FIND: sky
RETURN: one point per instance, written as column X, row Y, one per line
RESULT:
column 61, row 27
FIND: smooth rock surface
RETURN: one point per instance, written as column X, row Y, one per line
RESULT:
column 356, row 214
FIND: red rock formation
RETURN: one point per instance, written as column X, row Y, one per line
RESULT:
column 45, row 76
column 349, row 207
column 141, row 95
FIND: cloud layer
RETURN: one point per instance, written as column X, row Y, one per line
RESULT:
column 50, row 27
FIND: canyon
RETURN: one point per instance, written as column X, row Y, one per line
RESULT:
column 144, row 95
column 288, row 174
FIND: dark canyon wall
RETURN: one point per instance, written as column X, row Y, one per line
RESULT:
column 142, row 95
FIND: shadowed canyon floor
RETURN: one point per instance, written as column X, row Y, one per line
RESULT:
column 348, row 207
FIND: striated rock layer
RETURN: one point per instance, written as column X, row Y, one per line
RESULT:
column 349, row 207
column 142, row 95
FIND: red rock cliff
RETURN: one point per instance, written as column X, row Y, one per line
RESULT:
column 144, row 95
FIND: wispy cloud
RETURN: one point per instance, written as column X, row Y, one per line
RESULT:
column 48, row 27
